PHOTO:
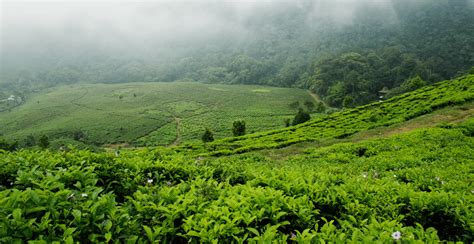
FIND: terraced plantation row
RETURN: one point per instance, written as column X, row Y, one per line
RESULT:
column 349, row 121
column 415, row 186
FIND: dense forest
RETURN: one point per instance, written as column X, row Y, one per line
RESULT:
column 378, row 49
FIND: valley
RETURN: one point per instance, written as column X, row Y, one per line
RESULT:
column 276, row 121
column 406, row 175
column 148, row 114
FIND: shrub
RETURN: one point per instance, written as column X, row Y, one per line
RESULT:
column 301, row 117
column 208, row 136
column 238, row 128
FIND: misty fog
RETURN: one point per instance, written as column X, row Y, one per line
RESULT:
column 324, row 46
column 49, row 32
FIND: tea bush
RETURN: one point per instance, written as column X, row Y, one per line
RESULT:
column 349, row 121
column 416, row 184
column 413, row 187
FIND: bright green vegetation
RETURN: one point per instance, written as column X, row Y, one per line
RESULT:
column 397, row 169
column 419, row 184
column 445, row 117
column 148, row 113
column 347, row 122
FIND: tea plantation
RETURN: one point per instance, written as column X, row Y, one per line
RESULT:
column 411, row 187
column 146, row 114
column 347, row 122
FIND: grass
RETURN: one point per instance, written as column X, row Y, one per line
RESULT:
column 147, row 114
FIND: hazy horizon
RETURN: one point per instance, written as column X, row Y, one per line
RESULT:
column 38, row 30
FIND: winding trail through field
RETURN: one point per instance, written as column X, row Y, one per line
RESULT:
column 316, row 98
column 452, row 114
column 75, row 100
column 178, row 134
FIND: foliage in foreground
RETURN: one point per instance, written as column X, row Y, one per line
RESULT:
column 417, row 184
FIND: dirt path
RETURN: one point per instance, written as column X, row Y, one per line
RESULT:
column 178, row 134
column 74, row 101
column 116, row 146
column 453, row 114
column 316, row 98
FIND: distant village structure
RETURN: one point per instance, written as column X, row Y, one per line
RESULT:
column 10, row 102
column 12, row 98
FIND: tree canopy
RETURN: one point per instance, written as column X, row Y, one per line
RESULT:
column 340, row 60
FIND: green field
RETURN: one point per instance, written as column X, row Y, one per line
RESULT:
column 397, row 170
column 383, row 185
column 237, row 122
column 146, row 114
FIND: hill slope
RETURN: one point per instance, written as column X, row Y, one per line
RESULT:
column 149, row 113
column 414, row 186
column 347, row 122
column 340, row 49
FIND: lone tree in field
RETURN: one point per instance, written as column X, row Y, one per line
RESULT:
column 238, row 128
column 295, row 105
column 348, row 101
column 43, row 142
column 208, row 136
column 301, row 117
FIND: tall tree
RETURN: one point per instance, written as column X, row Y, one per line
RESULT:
column 301, row 117
column 208, row 136
column 238, row 128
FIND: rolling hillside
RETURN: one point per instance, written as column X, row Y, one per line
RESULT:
column 408, row 187
column 148, row 113
column 233, row 121
column 349, row 121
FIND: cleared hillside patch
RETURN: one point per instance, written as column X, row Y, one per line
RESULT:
column 145, row 114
